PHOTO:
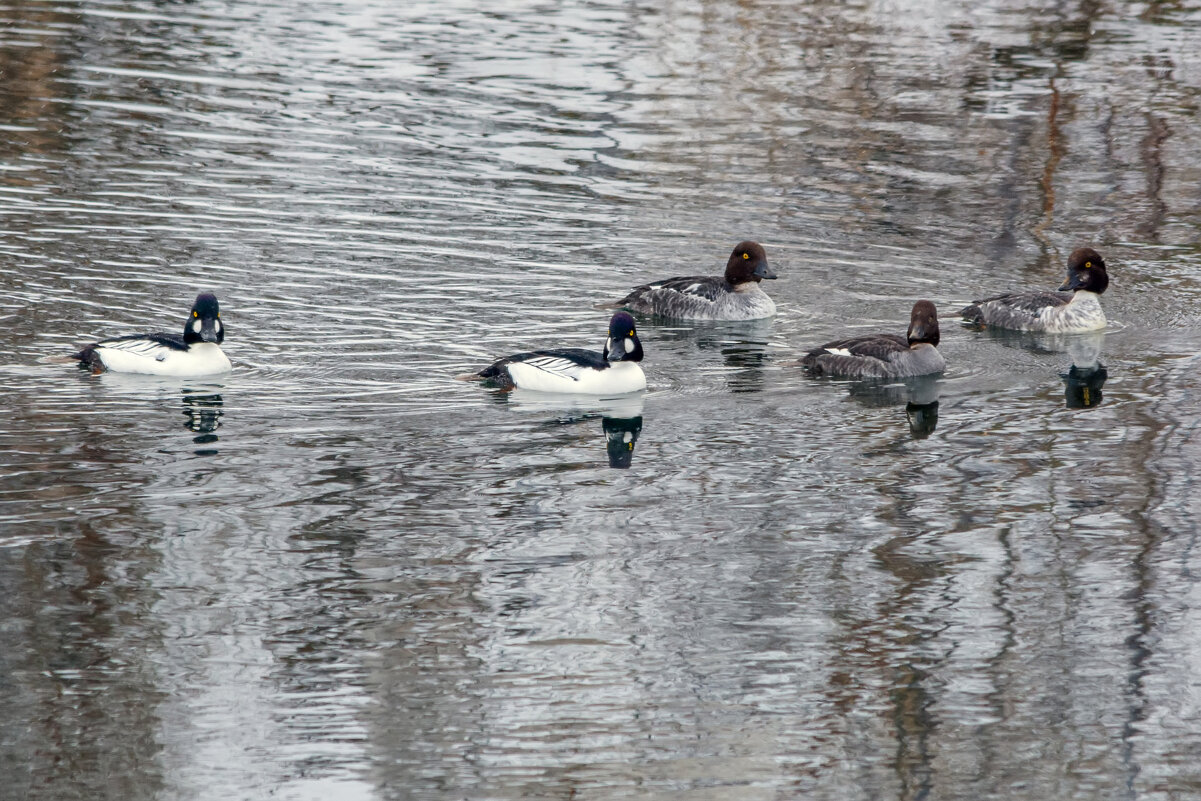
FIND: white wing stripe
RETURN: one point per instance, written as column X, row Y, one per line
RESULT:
column 558, row 366
column 138, row 347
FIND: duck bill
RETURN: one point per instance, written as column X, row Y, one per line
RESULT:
column 613, row 352
column 208, row 332
column 763, row 271
column 920, row 332
column 624, row 349
column 1072, row 283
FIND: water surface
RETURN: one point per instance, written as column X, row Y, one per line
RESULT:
column 339, row 573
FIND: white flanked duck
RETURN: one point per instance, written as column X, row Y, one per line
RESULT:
column 736, row 295
column 613, row 371
column 1051, row 311
column 196, row 352
column 884, row 355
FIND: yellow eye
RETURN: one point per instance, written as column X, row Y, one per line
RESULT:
column 195, row 313
column 218, row 314
column 746, row 255
column 1088, row 264
column 631, row 333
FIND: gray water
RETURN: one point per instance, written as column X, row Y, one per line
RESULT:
column 339, row 573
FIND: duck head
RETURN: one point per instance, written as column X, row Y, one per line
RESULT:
column 204, row 323
column 923, row 324
column 1086, row 270
column 747, row 263
column 623, row 344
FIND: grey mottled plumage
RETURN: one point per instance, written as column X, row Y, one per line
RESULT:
column 884, row 355
column 733, row 296
column 1054, row 312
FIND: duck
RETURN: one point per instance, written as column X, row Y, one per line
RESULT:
column 733, row 296
column 613, row 371
column 884, row 355
column 196, row 353
column 1052, row 312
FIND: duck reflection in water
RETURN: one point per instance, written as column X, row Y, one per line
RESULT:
column 923, row 417
column 744, row 348
column 203, row 413
column 621, row 417
column 621, row 434
column 919, row 394
column 1084, row 379
column 746, row 361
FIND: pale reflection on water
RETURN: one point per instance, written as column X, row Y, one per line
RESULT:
column 339, row 573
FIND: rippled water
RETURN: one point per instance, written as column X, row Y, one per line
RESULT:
column 340, row 573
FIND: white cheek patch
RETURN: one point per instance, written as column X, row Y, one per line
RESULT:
column 629, row 345
column 196, row 326
column 627, row 437
column 609, row 345
column 217, row 326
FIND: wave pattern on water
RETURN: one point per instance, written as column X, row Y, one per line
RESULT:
column 338, row 571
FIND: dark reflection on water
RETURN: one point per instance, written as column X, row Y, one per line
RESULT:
column 1082, row 386
column 383, row 583
column 1086, row 375
column 203, row 414
column 621, row 433
column 744, row 349
column 923, row 418
column 620, row 416
column 918, row 395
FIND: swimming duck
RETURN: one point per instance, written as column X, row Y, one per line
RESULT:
column 884, row 355
column 197, row 352
column 1050, row 311
column 613, row 371
column 734, row 296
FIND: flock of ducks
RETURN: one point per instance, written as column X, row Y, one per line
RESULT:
column 734, row 296
column 738, row 296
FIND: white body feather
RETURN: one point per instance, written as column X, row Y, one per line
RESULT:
column 556, row 374
column 1082, row 313
column 147, row 357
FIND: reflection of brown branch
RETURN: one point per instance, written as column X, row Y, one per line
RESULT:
column 31, row 84
column 889, row 648
column 1151, row 150
column 1055, row 151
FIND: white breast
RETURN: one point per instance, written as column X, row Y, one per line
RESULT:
column 150, row 358
column 749, row 303
column 1082, row 313
column 921, row 359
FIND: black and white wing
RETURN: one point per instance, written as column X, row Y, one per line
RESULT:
column 868, row 355
column 708, row 287
column 567, row 364
column 150, row 346
column 677, row 297
column 140, row 343
column 1013, row 309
